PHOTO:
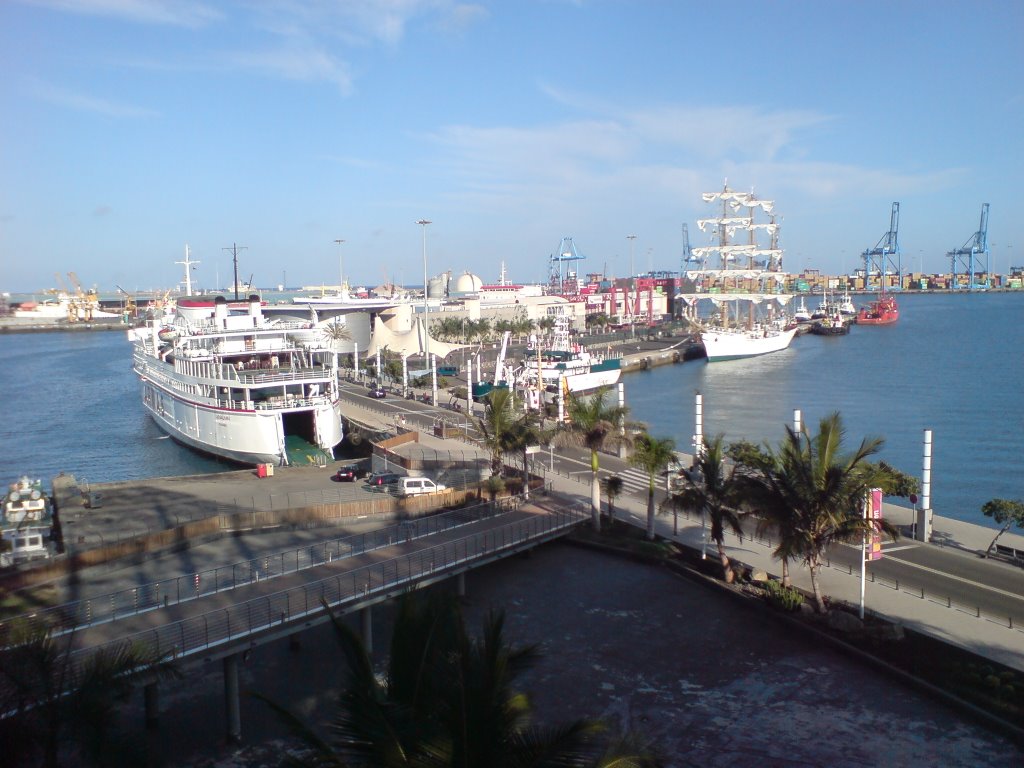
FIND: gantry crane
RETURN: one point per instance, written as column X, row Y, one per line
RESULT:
column 969, row 265
column 884, row 259
column 566, row 252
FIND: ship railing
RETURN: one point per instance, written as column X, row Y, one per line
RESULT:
column 101, row 609
column 275, row 403
column 224, row 626
column 275, row 376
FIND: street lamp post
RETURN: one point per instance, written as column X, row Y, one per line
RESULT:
column 631, row 239
column 426, row 308
column 426, row 335
column 341, row 268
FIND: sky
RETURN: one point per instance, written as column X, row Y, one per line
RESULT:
column 130, row 128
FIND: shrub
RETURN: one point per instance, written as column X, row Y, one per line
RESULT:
column 783, row 598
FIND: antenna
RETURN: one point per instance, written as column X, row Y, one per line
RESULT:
column 234, row 255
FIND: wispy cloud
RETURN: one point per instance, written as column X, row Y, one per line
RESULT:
column 671, row 150
column 83, row 102
column 362, row 23
column 180, row 13
column 295, row 63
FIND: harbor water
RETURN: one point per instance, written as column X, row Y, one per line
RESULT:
column 951, row 364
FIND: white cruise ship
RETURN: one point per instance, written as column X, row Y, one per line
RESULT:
column 227, row 381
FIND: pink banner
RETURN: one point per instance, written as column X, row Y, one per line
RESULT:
column 875, row 513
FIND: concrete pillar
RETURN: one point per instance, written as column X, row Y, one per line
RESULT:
column 232, row 704
column 151, row 698
column 924, row 514
column 460, row 584
column 405, row 375
column 698, row 426
column 622, row 421
column 366, row 617
column 355, row 360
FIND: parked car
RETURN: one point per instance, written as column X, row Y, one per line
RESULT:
column 349, row 474
column 377, row 392
column 380, row 481
column 415, row 486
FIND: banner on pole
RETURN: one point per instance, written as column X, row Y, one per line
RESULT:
column 875, row 515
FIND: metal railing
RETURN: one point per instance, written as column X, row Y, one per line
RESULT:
column 100, row 609
column 220, row 627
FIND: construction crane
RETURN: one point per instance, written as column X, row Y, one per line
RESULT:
column 688, row 261
column 884, row 258
column 566, row 252
column 967, row 269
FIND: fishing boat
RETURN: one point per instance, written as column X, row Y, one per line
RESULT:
column 563, row 368
column 881, row 311
column 834, row 324
column 801, row 314
column 26, row 522
column 224, row 379
column 743, row 280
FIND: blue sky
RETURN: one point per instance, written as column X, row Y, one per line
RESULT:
column 129, row 128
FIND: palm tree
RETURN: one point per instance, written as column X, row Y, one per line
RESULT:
column 653, row 456
column 593, row 424
column 612, row 489
column 496, row 425
column 446, row 699
column 815, row 493
column 712, row 490
column 49, row 697
column 525, row 432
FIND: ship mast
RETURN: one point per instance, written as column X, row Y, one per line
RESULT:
column 234, row 255
column 189, row 265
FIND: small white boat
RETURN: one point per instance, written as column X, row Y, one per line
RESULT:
column 801, row 314
column 26, row 521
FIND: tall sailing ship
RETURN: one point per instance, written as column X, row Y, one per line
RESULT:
column 742, row 277
column 227, row 381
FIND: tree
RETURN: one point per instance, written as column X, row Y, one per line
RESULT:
column 1005, row 513
column 496, row 425
column 525, row 432
column 712, row 489
column 446, row 699
column 50, row 697
column 612, row 486
column 653, row 456
column 593, row 424
column 816, row 492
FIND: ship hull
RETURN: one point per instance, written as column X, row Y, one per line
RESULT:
column 731, row 344
column 246, row 437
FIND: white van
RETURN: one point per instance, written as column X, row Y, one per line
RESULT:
column 414, row 486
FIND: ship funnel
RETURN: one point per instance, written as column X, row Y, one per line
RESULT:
column 255, row 309
column 220, row 311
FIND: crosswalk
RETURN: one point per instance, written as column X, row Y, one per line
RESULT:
column 636, row 481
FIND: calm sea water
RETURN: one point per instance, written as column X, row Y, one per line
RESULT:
column 952, row 364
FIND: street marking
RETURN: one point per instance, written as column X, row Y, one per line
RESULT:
column 886, row 551
column 961, row 579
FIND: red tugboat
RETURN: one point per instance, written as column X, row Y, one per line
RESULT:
column 882, row 311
